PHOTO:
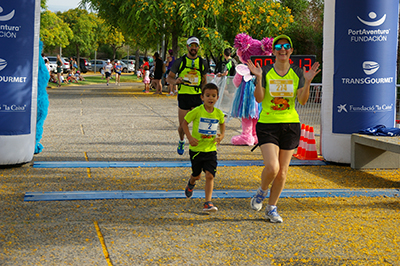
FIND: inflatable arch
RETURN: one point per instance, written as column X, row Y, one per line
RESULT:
column 359, row 77
column 19, row 54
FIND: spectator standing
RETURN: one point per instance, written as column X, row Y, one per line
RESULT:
column 146, row 79
column 102, row 70
column 71, row 64
column 228, row 65
column 145, row 63
column 168, row 64
column 158, row 72
column 59, row 70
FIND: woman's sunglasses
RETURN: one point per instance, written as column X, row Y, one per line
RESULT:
column 278, row 47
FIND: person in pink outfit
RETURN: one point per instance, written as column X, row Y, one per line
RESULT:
column 244, row 105
column 146, row 79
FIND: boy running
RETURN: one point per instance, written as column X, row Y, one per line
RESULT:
column 203, row 142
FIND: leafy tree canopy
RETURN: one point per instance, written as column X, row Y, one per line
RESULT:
column 215, row 22
column 84, row 27
column 54, row 32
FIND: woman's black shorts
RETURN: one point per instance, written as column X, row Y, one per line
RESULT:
column 189, row 101
column 202, row 161
column 285, row 135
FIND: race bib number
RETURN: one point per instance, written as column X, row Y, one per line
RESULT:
column 281, row 88
column 208, row 126
column 192, row 78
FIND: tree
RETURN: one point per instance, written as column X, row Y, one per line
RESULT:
column 307, row 30
column 110, row 35
column 84, row 27
column 43, row 4
column 216, row 22
column 54, row 32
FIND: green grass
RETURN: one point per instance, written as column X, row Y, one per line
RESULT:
column 91, row 78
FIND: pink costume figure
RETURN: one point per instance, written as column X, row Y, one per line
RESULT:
column 244, row 105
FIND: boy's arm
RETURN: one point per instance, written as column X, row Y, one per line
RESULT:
column 220, row 136
column 185, row 127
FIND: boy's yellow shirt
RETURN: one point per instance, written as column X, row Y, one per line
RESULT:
column 205, row 127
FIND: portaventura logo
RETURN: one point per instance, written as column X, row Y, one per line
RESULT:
column 370, row 35
column 7, row 17
column 6, row 31
column 372, row 15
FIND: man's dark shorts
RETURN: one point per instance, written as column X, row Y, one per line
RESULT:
column 285, row 135
column 189, row 101
column 108, row 74
column 203, row 161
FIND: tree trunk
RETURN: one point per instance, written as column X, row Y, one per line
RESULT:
column 137, row 60
column 78, row 55
column 175, row 44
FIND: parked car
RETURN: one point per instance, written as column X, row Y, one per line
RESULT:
column 66, row 63
column 84, row 65
column 53, row 66
column 130, row 64
column 97, row 64
column 53, row 61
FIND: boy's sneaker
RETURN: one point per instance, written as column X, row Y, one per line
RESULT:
column 273, row 216
column 257, row 199
column 209, row 207
column 189, row 190
column 181, row 147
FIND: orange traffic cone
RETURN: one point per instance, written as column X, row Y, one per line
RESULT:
column 302, row 155
column 301, row 143
column 311, row 151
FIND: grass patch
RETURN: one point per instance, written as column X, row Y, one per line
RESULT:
column 91, row 78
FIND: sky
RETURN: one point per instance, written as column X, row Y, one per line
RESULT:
column 62, row 5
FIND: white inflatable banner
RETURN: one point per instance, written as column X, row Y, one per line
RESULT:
column 359, row 79
column 19, row 53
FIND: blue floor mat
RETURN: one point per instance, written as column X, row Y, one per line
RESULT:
column 178, row 194
column 107, row 164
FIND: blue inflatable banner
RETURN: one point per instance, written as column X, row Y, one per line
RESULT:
column 16, row 57
column 364, row 88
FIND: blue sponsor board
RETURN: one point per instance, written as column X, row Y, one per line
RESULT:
column 364, row 64
column 16, row 57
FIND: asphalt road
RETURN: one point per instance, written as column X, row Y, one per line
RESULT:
column 121, row 124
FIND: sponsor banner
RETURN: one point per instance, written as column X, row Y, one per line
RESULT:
column 16, row 65
column 364, row 64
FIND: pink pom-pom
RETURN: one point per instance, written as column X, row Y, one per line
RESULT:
column 247, row 46
column 266, row 45
column 242, row 42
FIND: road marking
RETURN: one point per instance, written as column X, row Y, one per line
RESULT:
column 103, row 244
